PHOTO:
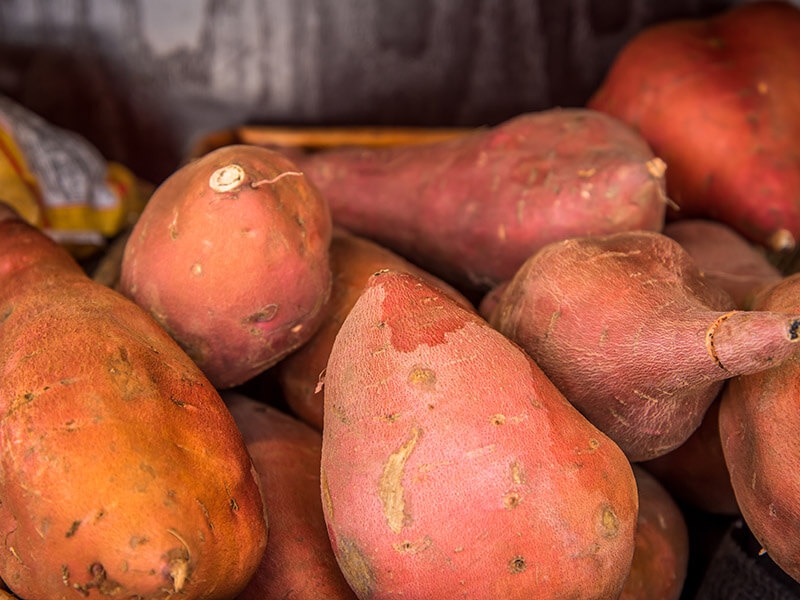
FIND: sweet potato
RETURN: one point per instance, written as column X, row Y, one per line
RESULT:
column 230, row 256
column 719, row 100
column 628, row 329
column 452, row 467
column 758, row 422
column 353, row 260
column 661, row 557
column 299, row 562
column 695, row 472
column 123, row 473
column 471, row 209
column 725, row 257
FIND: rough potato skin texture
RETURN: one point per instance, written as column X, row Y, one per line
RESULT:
column 472, row 209
column 453, row 468
column 123, row 474
column 695, row 472
column 759, row 421
column 719, row 100
column 725, row 257
column 353, row 260
column 661, row 558
column 236, row 272
column 299, row 562
column 632, row 334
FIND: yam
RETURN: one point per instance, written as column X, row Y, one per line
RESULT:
column 123, row 473
column 453, row 468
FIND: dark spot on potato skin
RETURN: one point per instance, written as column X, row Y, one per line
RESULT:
column 794, row 330
column 517, row 565
column 73, row 529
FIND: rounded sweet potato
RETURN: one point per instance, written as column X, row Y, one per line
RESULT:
column 453, row 468
column 719, row 100
column 472, row 209
column 230, row 256
column 634, row 336
column 123, row 473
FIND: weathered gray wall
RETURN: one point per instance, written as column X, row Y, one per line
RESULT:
column 141, row 78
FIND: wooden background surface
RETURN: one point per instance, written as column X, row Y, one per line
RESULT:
column 143, row 78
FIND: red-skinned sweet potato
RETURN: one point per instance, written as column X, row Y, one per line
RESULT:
column 695, row 472
column 628, row 329
column 719, row 100
column 661, row 557
column 452, row 467
column 725, row 257
column 230, row 256
column 758, row 422
column 472, row 209
column 299, row 562
column 123, row 473
column 353, row 260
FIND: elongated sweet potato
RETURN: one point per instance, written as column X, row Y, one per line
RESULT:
column 628, row 329
column 661, row 557
column 719, row 100
column 230, row 256
column 472, row 209
column 123, row 473
column 452, row 467
column 758, row 422
column 299, row 562
column 353, row 260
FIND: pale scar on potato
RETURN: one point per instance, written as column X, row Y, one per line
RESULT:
column 390, row 488
column 609, row 522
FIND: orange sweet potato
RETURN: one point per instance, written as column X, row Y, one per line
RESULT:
column 230, row 255
column 299, row 562
column 634, row 336
column 758, row 422
column 123, row 473
column 719, row 100
column 661, row 557
column 471, row 209
column 452, row 467
column 353, row 260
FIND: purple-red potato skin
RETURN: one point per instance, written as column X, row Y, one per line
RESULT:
column 719, row 100
column 759, row 420
column 353, row 260
column 725, row 257
column 453, row 468
column 299, row 562
column 661, row 557
column 695, row 472
column 472, row 209
column 628, row 329
column 230, row 256
column 123, row 472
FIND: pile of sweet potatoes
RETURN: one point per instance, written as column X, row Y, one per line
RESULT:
column 502, row 364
